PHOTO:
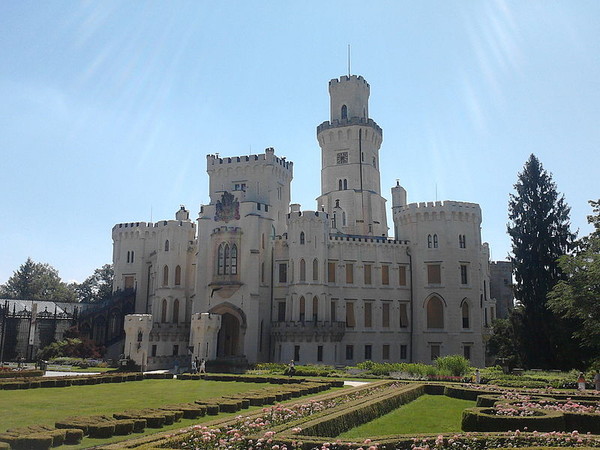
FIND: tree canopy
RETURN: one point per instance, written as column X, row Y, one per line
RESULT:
column 539, row 228
column 37, row 281
column 577, row 297
column 98, row 286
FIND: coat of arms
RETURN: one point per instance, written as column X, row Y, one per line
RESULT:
column 228, row 208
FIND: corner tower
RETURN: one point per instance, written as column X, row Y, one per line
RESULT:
column 350, row 179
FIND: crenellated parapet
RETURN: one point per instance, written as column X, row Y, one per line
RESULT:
column 213, row 161
column 337, row 123
column 438, row 211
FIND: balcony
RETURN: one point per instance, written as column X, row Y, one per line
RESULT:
column 307, row 331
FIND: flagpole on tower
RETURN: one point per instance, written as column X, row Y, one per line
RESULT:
column 349, row 61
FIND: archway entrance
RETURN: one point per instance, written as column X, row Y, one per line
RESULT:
column 228, row 339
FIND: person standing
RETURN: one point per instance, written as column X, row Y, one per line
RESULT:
column 194, row 366
column 202, row 367
column 581, row 382
column 291, row 368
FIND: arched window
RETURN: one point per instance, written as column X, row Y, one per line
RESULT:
column 131, row 255
column 339, row 185
column 429, row 241
column 315, row 270
column 226, row 259
column 178, row 276
column 165, row 276
column 315, row 309
column 435, row 313
column 128, row 254
column 176, row 311
column 302, row 238
column 234, row 259
column 343, row 218
column 462, row 241
column 302, row 309
column 465, row 315
column 435, row 241
column 302, row 270
column 221, row 259
column 167, row 245
column 345, row 184
column 163, row 315
column 344, row 112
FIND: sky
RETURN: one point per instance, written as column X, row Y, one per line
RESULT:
column 109, row 108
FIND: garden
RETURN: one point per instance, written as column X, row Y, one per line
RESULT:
column 397, row 406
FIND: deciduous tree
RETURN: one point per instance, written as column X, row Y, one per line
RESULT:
column 37, row 281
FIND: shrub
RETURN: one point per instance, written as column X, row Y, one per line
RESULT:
column 457, row 365
column 485, row 419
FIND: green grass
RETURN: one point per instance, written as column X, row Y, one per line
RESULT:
column 426, row 414
column 45, row 406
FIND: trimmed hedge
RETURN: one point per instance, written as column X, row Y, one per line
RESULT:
column 484, row 419
column 28, row 373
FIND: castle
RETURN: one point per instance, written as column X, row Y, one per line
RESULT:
column 257, row 279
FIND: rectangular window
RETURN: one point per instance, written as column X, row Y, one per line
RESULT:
column 349, row 352
column 367, row 273
column 262, row 272
column 296, row 353
column 402, row 275
column 129, row 282
column 281, row 311
column 368, row 314
column 403, row 315
column 403, row 351
column 283, row 272
column 368, row 352
column 350, row 320
column 320, row 353
column 349, row 273
column 153, row 352
column 385, row 314
column 385, row 275
column 175, row 350
column 331, row 272
column 385, row 351
column 434, row 274
column 333, row 311
column 463, row 274
column 467, row 351
column 435, row 351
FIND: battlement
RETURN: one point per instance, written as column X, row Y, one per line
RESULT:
column 328, row 125
column 308, row 214
column 365, row 239
column 122, row 227
column 266, row 158
column 346, row 78
column 439, row 206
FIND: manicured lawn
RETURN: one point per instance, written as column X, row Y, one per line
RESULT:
column 47, row 405
column 426, row 414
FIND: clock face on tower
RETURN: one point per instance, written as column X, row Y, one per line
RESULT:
column 342, row 158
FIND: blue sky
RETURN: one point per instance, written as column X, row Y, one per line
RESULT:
column 108, row 109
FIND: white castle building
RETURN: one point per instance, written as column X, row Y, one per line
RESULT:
column 257, row 279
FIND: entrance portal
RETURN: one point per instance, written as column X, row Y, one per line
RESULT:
column 228, row 339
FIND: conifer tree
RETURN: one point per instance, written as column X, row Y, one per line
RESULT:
column 539, row 228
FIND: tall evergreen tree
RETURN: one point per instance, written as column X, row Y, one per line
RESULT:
column 539, row 228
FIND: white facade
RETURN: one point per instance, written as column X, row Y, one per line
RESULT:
column 258, row 279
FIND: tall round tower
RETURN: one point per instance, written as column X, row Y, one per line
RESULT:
column 350, row 179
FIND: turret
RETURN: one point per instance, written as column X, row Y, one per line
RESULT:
column 350, row 177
